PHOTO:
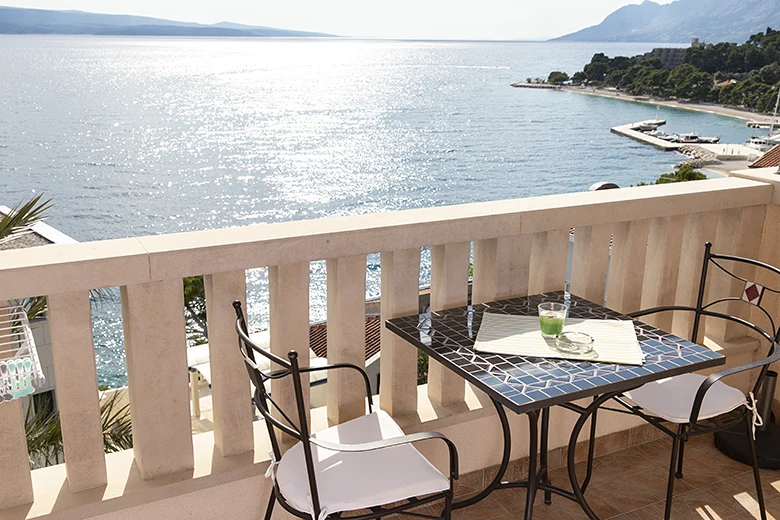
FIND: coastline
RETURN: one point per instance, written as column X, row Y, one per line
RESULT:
column 697, row 107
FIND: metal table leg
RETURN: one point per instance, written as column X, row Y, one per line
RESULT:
column 543, row 454
column 587, row 413
column 533, row 474
column 506, row 455
column 538, row 476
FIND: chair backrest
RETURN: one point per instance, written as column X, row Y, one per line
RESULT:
column 298, row 429
column 752, row 296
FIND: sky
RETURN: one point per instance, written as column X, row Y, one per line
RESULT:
column 403, row 19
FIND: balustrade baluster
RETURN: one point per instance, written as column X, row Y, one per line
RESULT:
column 230, row 388
column 501, row 268
column 700, row 228
column 627, row 265
column 590, row 261
column 662, row 263
column 70, row 322
column 400, row 297
column 449, row 288
column 549, row 255
column 155, row 343
column 346, row 336
column 289, row 330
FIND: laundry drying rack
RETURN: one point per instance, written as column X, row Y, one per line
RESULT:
column 20, row 369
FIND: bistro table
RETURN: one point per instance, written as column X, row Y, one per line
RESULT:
column 527, row 385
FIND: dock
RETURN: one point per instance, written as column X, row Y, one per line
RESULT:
column 632, row 131
column 720, row 157
column 760, row 124
column 525, row 84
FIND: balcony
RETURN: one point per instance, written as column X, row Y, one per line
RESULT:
column 634, row 248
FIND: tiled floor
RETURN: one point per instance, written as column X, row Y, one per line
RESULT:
column 631, row 485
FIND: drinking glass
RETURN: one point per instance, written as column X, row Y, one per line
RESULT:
column 552, row 315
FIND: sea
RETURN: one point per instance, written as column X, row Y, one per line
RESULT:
column 133, row 136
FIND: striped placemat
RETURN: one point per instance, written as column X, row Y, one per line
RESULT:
column 614, row 340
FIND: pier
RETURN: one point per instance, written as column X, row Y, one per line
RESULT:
column 761, row 124
column 548, row 86
column 721, row 157
column 632, row 131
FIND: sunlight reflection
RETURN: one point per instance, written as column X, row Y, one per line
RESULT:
column 707, row 513
column 746, row 501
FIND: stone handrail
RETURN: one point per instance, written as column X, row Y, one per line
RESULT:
column 646, row 241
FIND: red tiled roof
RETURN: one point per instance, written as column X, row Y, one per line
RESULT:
column 771, row 159
column 318, row 336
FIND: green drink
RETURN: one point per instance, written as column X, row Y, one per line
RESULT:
column 551, row 318
column 551, row 325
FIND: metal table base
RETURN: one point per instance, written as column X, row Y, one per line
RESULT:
column 538, row 475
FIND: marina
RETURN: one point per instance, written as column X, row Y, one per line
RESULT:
column 633, row 131
column 700, row 151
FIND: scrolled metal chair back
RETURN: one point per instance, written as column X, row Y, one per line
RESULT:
column 298, row 429
column 752, row 296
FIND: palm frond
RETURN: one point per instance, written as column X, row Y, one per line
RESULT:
column 102, row 295
column 117, row 427
column 44, row 433
column 44, row 430
column 34, row 307
column 23, row 217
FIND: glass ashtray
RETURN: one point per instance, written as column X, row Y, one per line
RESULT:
column 574, row 342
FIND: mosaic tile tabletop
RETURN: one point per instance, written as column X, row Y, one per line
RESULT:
column 523, row 384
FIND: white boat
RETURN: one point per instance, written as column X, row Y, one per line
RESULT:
column 709, row 140
column 651, row 124
column 659, row 134
column 772, row 139
column 759, row 143
column 694, row 138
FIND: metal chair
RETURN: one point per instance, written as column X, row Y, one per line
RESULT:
column 699, row 404
column 366, row 463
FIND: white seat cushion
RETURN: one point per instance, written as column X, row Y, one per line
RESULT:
column 358, row 480
column 672, row 398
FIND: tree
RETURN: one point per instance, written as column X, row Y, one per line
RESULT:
column 755, row 64
column 557, row 77
column 598, row 68
column 615, row 78
column 20, row 222
column 684, row 173
column 42, row 421
column 736, row 60
column 687, row 82
column 195, row 309
column 22, row 218
column 754, row 58
column 44, row 430
column 770, row 74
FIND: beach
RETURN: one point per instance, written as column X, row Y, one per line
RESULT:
column 710, row 108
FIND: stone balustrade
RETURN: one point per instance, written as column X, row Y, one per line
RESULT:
column 634, row 247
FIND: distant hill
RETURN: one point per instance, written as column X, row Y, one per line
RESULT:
column 15, row 20
column 709, row 20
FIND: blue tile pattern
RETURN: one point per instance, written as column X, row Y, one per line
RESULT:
column 523, row 383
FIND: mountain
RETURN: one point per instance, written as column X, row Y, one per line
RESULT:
column 709, row 20
column 14, row 20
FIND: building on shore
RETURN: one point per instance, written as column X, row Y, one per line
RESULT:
column 672, row 57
